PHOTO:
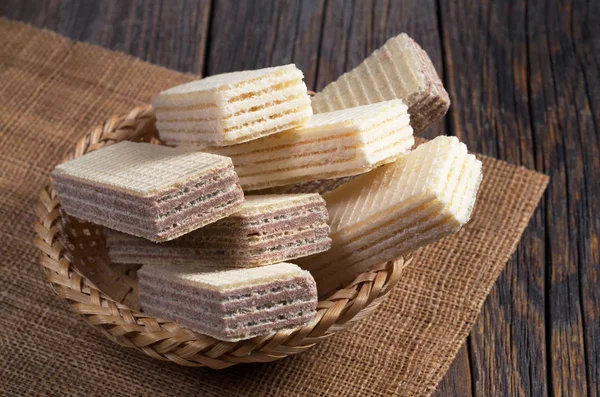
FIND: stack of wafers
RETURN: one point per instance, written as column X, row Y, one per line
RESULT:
column 331, row 145
column 267, row 229
column 150, row 191
column 233, row 107
column 216, row 260
column 230, row 304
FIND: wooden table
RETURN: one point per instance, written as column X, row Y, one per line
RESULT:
column 524, row 79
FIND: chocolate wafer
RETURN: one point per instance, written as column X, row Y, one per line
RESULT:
column 267, row 229
column 230, row 305
column 400, row 69
column 150, row 191
column 423, row 197
column 236, row 107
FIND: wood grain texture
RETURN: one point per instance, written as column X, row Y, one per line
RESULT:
column 256, row 34
column 525, row 98
column 169, row 33
column 565, row 112
column 489, row 81
column 524, row 80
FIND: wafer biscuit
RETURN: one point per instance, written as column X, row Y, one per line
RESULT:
column 230, row 305
column 267, row 229
column 330, row 145
column 150, row 191
column 423, row 197
column 400, row 69
column 231, row 108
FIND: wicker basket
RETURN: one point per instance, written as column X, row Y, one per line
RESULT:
column 73, row 256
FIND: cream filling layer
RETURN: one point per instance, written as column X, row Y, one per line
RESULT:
column 260, row 128
column 278, row 93
column 231, row 123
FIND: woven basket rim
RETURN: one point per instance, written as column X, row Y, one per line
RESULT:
column 166, row 340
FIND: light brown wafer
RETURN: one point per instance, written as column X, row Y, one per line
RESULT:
column 230, row 305
column 150, row 191
column 267, row 229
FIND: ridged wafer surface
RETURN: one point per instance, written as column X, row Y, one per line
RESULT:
column 330, row 145
column 267, row 229
column 139, row 169
column 234, row 107
column 150, row 191
column 399, row 69
column 232, row 304
column 422, row 197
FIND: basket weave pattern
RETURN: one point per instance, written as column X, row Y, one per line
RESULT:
column 73, row 257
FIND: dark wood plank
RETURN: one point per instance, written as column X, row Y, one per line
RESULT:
column 565, row 111
column 585, row 36
column 168, row 33
column 527, row 99
column 457, row 381
column 488, row 85
column 252, row 35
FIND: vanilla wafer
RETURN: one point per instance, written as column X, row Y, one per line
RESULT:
column 400, row 69
column 150, row 191
column 267, row 229
column 423, row 197
column 231, row 108
column 330, row 145
column 230, row 305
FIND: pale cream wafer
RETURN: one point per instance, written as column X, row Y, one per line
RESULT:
column 400, row 69
column 230, row 305
column 330, row 145
column 150, row 191
column 422, row 197
column 233, row 107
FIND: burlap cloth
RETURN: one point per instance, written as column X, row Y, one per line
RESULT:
column 52, row 91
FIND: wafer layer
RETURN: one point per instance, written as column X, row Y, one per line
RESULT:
column 421, row 198
column 400, row 69
column 150, row 191
column 230, row 305
column 233, row 107
column 268, row 229
column 331, row 145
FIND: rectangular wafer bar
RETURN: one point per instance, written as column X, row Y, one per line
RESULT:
column 423, row 197
column 150, row 191
column 267, row 229
column 400, row 69
column 230, row 305
column 330, row 145
column 231, row 108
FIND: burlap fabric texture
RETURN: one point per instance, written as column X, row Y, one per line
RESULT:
column 53, row 91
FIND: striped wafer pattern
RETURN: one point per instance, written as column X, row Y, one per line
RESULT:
column 330, row 145
column 379, row 216
column 233, row 107
column 230, row 305
column 150, row 191
column 139, row 169
column 268, row 229
column 400, row 69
